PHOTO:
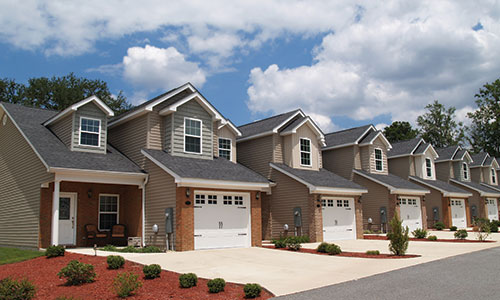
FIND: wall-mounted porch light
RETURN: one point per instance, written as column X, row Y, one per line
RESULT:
column 188, row 192
column 155, row 228
column 89, row 193
column 257, row 196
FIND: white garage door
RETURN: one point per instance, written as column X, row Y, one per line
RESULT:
column 411, row 214
column 458, row 213
column 339, row 219
column 492, row 209
column 221, row 220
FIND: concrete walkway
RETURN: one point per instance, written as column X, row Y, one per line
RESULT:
column 284, row 272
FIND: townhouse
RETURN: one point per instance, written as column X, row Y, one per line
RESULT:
column 360, row 154
column 305, row 198
column 415, row 160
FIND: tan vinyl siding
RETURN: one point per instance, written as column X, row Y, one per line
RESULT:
column 287, row 150
column 215, row 140
column 305, row 132
column 167, row 121
column 377, row 197
column 278, row 149
column 364, row 154
column 160, row 194
column 286, row 195
column 226, row 133
column 256, row 154
column 130, row 138
column 339, row 161
column 444, row 171
column 400, row 166
column 63, row 129
column 194, row 110
column 377, row 144
column 457, row 169
column 21, row 175
column 89, row 110
column 434, row 199
column 155, row 131
column 476, row 174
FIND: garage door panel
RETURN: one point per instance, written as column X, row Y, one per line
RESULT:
column 458, row 218
column 411, row 213
column 338, row 219
column 492, row 208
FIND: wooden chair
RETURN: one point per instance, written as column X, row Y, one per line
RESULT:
column 94, row 235
column 119, row 235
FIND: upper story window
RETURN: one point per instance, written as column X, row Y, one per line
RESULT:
column 379, row 162
column 192, row 135
column 493, row 176
column 90, row 132
column 305, row 152
column 465, row 171
column 428, row 167
column 225, row 148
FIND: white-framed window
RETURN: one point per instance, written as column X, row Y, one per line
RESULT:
column 225, row 148
column 109, row 207
column 199, row 199
column 493, row 176
column 305, row 152
column 90, row 132
column 379, row 160
column 465, row 170
column 428, row 167
column 192, row 135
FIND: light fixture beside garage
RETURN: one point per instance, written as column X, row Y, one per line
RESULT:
column 155, row 228
column 257, row 195
column 188, row 192
column 89, row 193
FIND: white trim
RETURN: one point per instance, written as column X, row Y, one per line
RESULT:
column 427, row 168
column 274, row 130
column 481, row 193
column 393, row 190
column 54, row 236
column 493, row 176
column 230, row 147
column 92, row 176
column 200, row 99
column 194, row 136
column 74, row 196
column 445, row 193
column 117, row 210
column 306, row 152
column 254, row 136
column 364, row 133
column 381, row 159
column 80, row 132
column 231, row 126
column 79, row 104
column 379, row 133
column 467, row 171
column 356, row 142
column 306, row 120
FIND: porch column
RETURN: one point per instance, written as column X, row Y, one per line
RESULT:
column 55, row 214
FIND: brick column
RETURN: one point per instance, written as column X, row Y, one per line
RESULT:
column 358, row 206
column 316, row 218
column 468, row 218
column 256, row 218
column 392, row 208
column 184, row 236
column 423, row 209
column 446, row 212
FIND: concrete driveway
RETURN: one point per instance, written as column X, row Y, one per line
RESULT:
column 284, row 272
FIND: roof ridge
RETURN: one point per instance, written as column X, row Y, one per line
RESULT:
column 31, row 107
column 343, row 130
column 268, row 118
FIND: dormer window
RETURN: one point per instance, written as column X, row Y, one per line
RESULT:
column 379, row 162
column 428, row 167
column 305, row 152
column 90, row 131
column 192, row 135
column 493, row 176
column 225, row 148
column 465, row 171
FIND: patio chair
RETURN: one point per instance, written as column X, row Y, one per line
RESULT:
column 94, row 235
column 119, row 235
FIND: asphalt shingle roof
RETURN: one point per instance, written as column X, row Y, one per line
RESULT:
column 293, row 124
column 347, row 136
column 493, row 187
column 216, row 169
column 478, row 159
column 446, row 153
column 55, row 153
column 264, row 125
column 403, row 147
column 321, row 178
column 369, row 137
column 442, row 185
column 421, row 148
column 479, row 186
column 394, row 181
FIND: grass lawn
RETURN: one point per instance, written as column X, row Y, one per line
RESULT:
column 12, row 255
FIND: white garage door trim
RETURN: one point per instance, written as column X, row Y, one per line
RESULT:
column 458, row 217
column 492, row 205
column 222, row 220
column 410, row 215
column 335, row 210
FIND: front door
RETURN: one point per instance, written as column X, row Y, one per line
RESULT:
column 458, row 213
column 67, row 219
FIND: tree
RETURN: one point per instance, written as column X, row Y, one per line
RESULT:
column 398, row 236
column 57, row 93
column 484, row 132
column 400, row 131
column 438, row 126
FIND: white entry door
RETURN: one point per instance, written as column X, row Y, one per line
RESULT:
column 221, row 220
column 458, row 213
column 411, row 213
column 339, row 219
column 492, row 208
column 67, row 219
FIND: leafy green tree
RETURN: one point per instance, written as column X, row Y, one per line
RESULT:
column 400, row 131
column 484, row 132
column 438, row 126
column 57, row 93
column 398, row 236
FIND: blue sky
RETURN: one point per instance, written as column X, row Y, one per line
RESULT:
column 344, row 63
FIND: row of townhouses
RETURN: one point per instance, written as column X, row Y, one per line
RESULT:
column 181, row 176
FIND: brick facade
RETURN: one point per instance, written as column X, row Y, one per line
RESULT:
column 358, row 206
column 316, row 218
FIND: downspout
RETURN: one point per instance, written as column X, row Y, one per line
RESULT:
column 144, row 210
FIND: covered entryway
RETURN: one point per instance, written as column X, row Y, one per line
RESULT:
column 492, row 208
column 458, row 213
column 67, row 219
column 339, row 219
column 221, row 220
column 411, row 213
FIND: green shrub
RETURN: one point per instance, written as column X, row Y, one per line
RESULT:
column 150, row 249
column 125, row 284
column 216, row 285
column 252, row 290
column 493, row 226
column 188, row 280
column 373, row 252
column 419, row 233
column 453, row 228
column 322, row 247
column 293, row 245
column 130, row 249
column 367, row 231
column 77, row 273
column 302, row 239
column 439, row 226
column 483, row 227
column 54, row 251
column 432, row 238
column 398, row 236
column 279, row 244
column 115, row 262
column 109, row 248
column 333, row 249
column 11, row 289
column 461, row 234
column 151, row 271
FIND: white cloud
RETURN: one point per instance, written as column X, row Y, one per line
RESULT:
column 324, row 122
column 381, row 126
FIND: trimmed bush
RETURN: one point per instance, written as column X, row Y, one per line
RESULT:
column 54, row 251
column 420, row 233
column 278, row 244
column 373, row 252
column 493, row 226
column 150, row 249
column 125, row 284
column 293, row 245
column 453, row 228
column 398, row 236
column 432, row 238
column 333, row 249
column 322, row 247
column 216, row 285
column 77, row 273
column 110, row 248
column 188, row 280
column 115, row 262
column 252, row 290
column 11, row 289
column 439, row 226
column 461, row 234
column 152, row 271
column 484, row 228
column 130, row 249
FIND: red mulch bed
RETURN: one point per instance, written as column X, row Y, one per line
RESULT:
column 348, row 254
column 43, row 273
column 376, row 237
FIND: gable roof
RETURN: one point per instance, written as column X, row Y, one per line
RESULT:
column 322, row 181
column 54, row 153
column 445, row 188
column 479, row 159
column 484, row 190
column 269, row 125
column 498, row 161
column 453, row 153
column 352, row 136
column 99, row 103
column 416, row 146
column 395, row 184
